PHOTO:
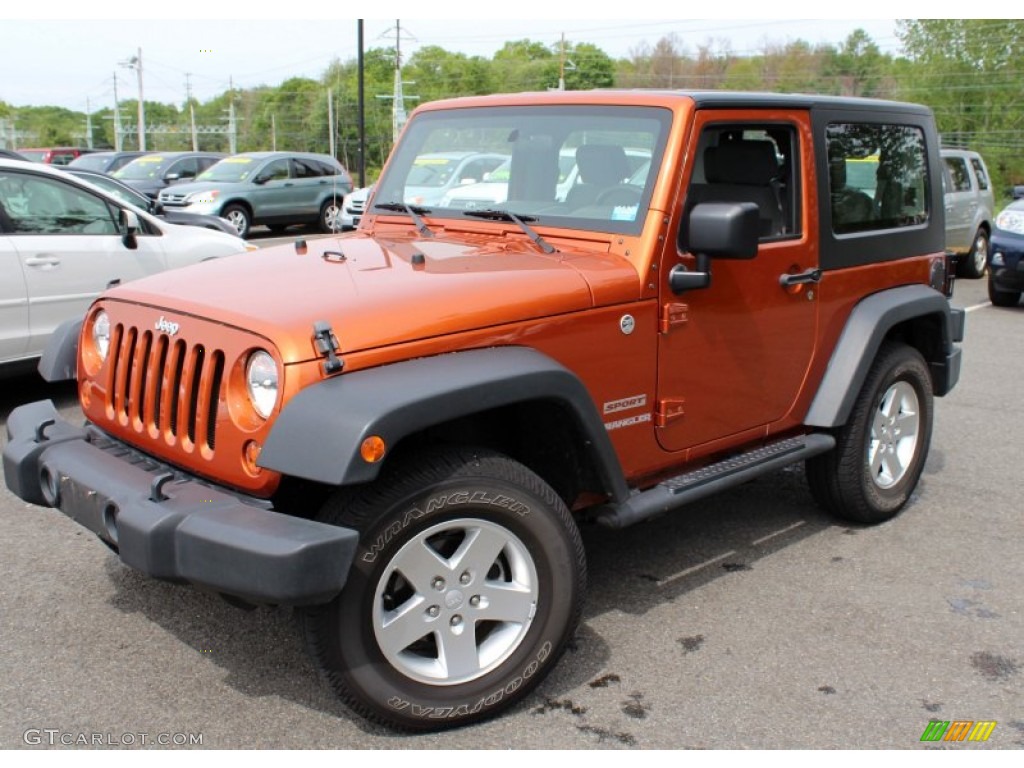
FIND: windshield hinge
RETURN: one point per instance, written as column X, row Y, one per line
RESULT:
column 673, row 314
column 326, row 345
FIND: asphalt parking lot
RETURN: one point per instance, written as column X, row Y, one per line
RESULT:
column 751, row 620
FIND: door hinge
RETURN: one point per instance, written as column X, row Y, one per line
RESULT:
column 673, row 315
column 669, row 409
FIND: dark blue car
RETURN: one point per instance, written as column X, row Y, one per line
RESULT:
column 1006, row 265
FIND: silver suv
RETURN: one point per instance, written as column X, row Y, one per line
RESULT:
column 969, row 209
column 272, row 188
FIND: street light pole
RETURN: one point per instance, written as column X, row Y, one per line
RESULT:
column 135, row 62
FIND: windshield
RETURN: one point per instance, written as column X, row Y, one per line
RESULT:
column 569, row 166
column 148, row 167
column 91, row 162
column 35, row 155
column 229, row 169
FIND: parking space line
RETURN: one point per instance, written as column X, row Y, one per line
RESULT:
column 978, row 306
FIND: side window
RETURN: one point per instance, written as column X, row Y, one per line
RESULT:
column 275, row 170
column 878, row 176
column 958, row 174
column 36, row 205
column 979, row 172
column 324, row 168
column 750, row 163
column 186, row 168
column 304, row 169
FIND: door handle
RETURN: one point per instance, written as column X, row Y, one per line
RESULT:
column 809, row 276
column 42, row 261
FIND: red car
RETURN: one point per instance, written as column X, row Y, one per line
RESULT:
column 54, row 155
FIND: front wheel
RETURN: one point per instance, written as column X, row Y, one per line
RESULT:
column 466, row 586
column 239, row 218
column 1002, row 298
column 330, row 216
column 881, row 450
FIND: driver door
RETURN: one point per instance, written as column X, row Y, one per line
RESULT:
column 732, row 356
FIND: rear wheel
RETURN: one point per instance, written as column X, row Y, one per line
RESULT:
column 466, row 586
column 976, row 262
column 881, row 450
column 330, row 216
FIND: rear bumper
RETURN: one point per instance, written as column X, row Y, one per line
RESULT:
column 170, row 525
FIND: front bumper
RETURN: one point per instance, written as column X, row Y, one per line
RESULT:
column 170, row 525
column 1006, row 261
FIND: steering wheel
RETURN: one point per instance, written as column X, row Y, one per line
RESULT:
column 620, row 194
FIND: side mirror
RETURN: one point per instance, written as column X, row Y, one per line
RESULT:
column 719, row 231
column 156, row 208
column 129, row 229
column 172, row 176
column 261, row 180
column 724, row 230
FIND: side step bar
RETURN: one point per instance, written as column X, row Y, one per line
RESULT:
column 694, row 485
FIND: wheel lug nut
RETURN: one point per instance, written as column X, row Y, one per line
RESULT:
column 433, row 611
column 456, row 620
column 438, row 583
column 474, row 600
column 465, row 578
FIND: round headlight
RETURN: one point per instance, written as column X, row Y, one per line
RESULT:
column 261, row 379
column 101, row 334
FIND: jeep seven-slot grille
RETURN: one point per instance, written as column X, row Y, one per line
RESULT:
column 163, row 386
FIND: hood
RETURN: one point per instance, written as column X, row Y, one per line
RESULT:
column 373, row 293
column 188, row 187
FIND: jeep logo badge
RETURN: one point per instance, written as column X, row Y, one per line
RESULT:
column 167, row 326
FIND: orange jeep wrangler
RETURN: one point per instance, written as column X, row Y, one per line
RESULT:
column 398, row 430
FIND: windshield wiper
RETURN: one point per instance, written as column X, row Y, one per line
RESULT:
column 497, row 215
column 414, row 212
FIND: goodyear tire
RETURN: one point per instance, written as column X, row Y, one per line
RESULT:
column 881, row 451
column 467, row 585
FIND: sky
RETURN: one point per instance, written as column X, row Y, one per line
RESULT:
column 72, row 62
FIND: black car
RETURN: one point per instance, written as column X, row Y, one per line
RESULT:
column 154, row 171
column 10, row 154
column 1006, row 259
column 130, row 195
column 105, row 162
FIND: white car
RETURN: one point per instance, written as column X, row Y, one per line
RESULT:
column 493, row 190
column 63, row 241
column 353, row 207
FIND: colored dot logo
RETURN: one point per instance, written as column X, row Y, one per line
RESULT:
column 206, row 50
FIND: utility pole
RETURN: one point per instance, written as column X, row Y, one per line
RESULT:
column 362, row 110
column 330, row 121
column 273, row 132
column 135, row 62
column 563, row 65
column 398, row 115
column 232, row 128
column 88, row 124
column 117, row 118
column 191, row 111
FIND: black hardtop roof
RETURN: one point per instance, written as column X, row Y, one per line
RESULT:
column 701, row 98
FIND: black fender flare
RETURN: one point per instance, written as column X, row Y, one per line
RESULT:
column 60, row 357
column 866, row 328
column 318, row 434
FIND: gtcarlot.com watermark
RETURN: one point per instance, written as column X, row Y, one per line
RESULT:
column 55, row 737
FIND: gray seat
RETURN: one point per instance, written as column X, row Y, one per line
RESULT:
column 601, row 167
column 743, row 172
